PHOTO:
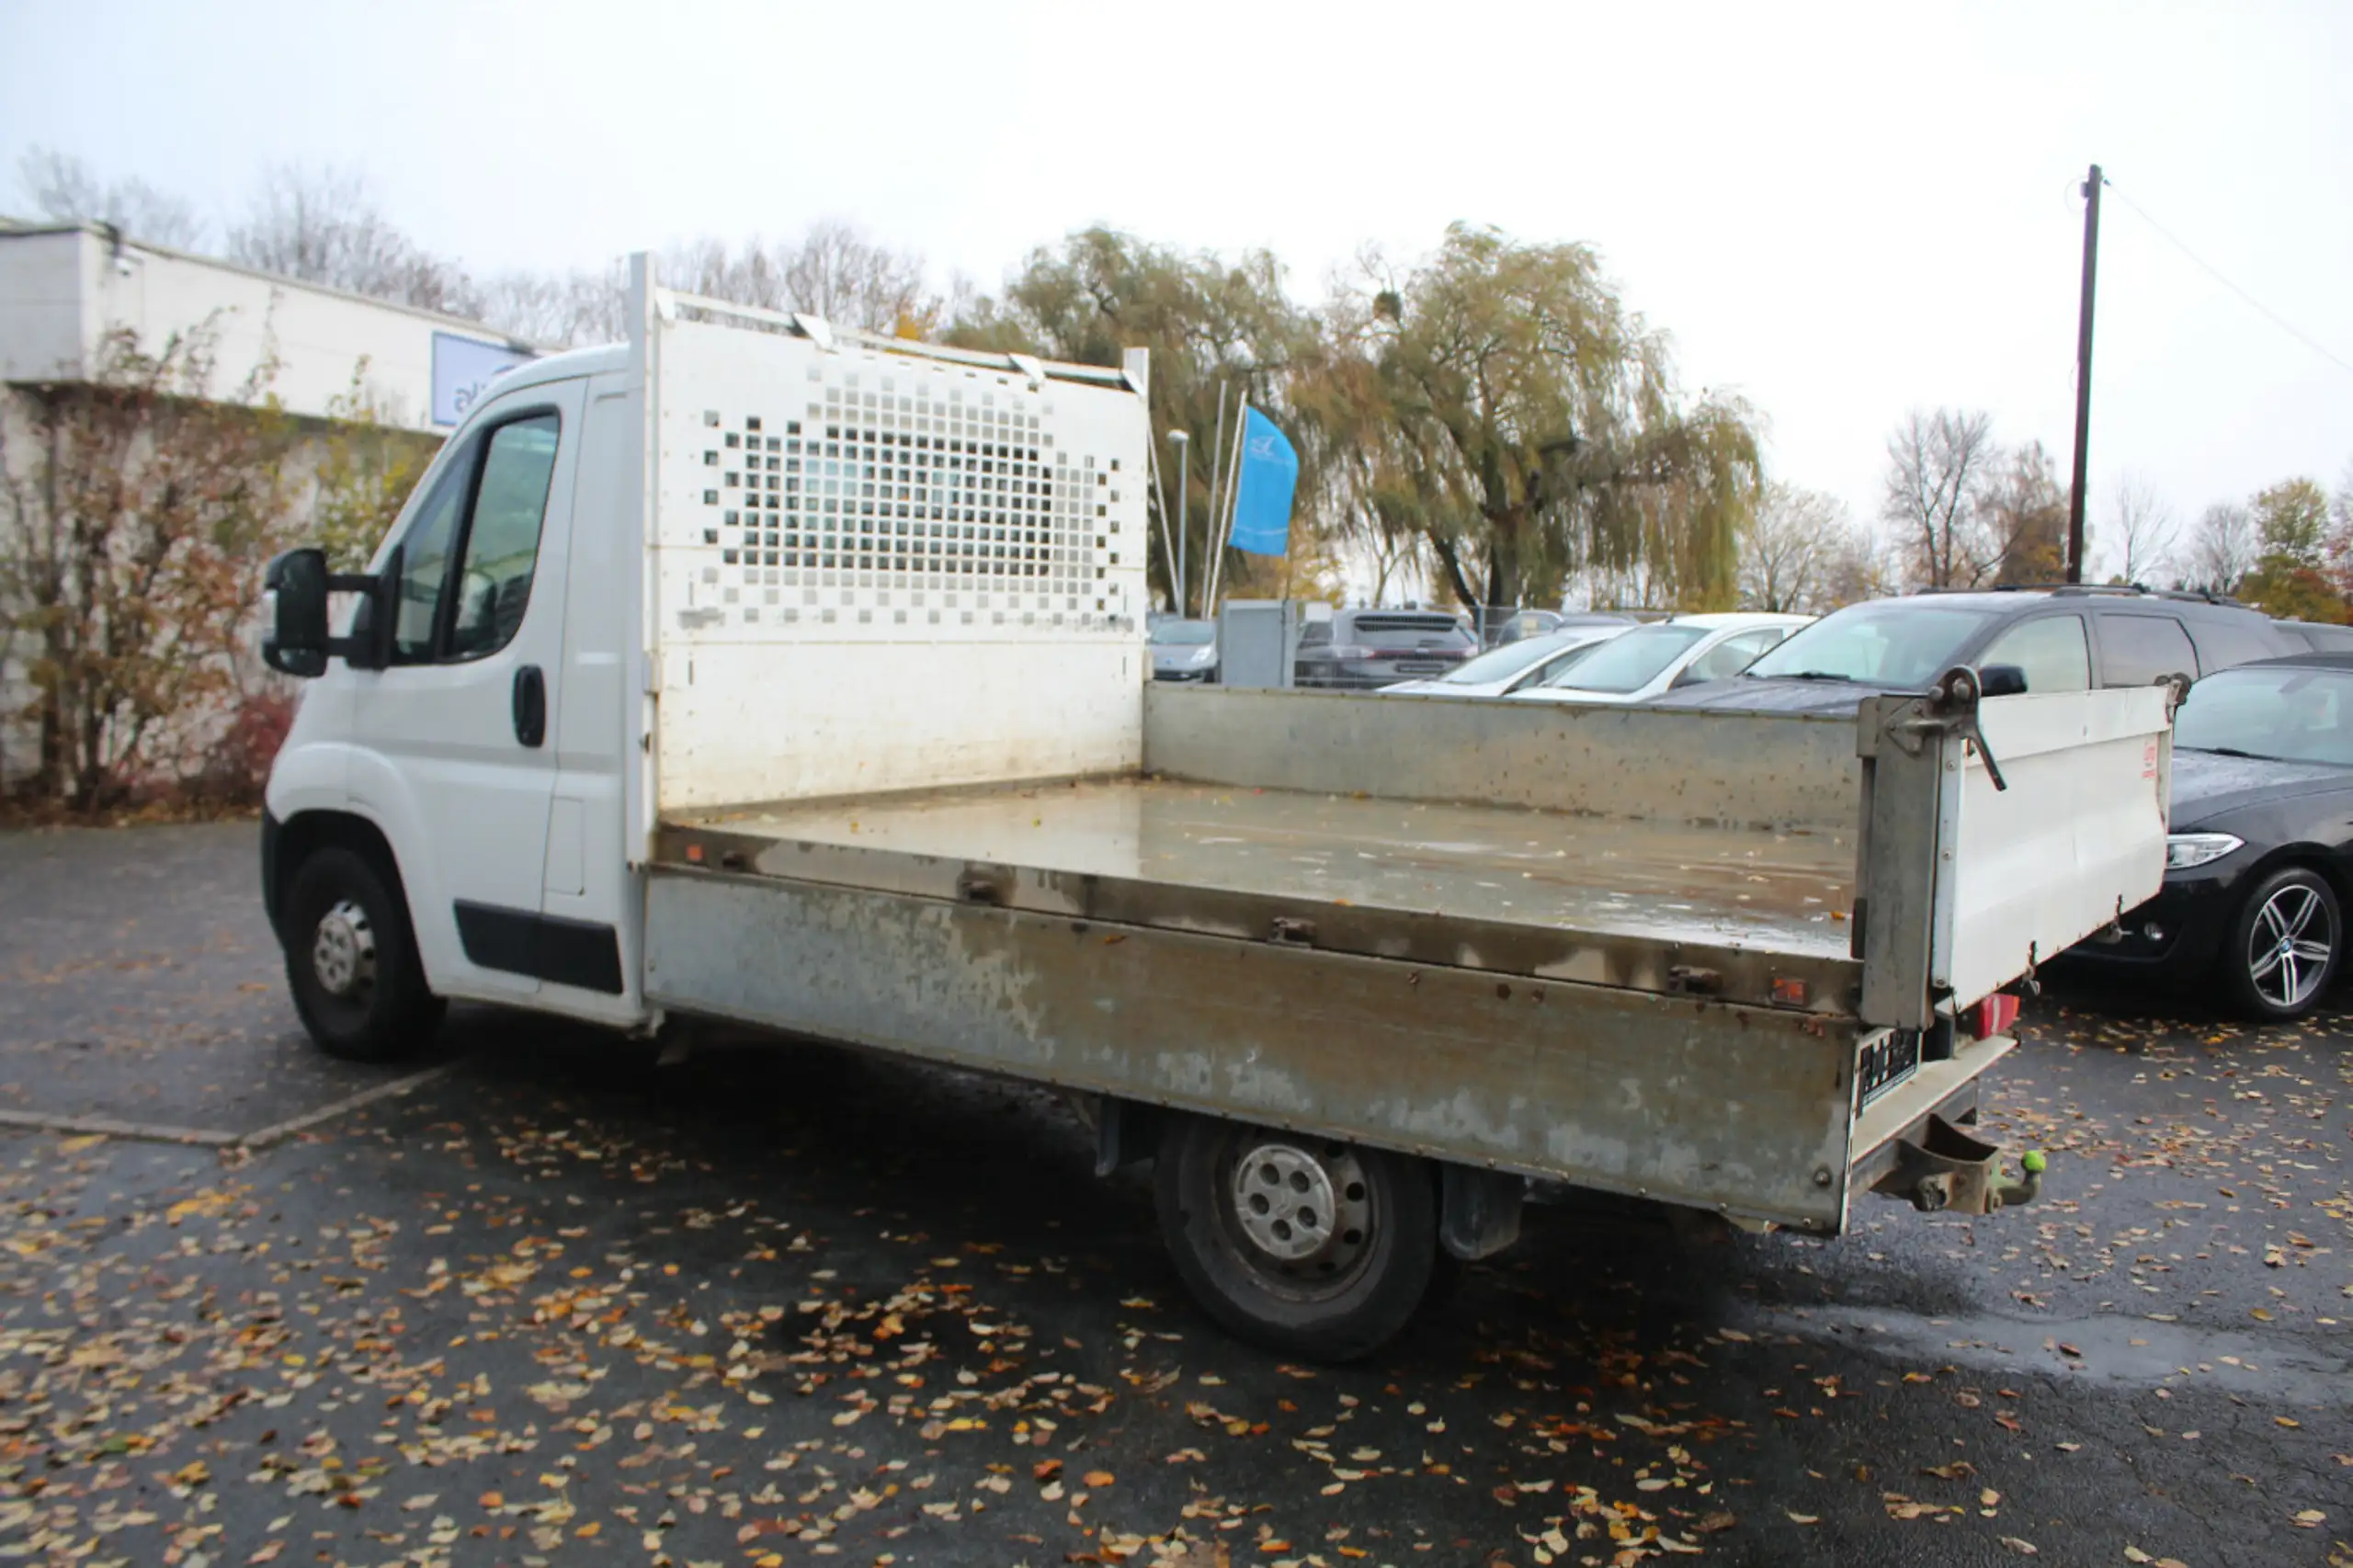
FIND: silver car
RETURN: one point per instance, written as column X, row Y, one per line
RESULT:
column 1184, row 650
column 1501, row 671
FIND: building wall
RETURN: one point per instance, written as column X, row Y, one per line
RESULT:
column 62, row 289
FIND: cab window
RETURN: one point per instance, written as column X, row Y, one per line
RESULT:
column 2051, row 650
column 468, row 559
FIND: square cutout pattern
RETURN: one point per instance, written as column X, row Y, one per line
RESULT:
column 923, row 488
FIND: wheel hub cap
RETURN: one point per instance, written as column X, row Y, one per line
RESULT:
column 2289, row 950
column 342, row 954
column 1284, row 1198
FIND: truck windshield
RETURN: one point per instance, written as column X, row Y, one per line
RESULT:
column 1631, row 662
column 1900, row 643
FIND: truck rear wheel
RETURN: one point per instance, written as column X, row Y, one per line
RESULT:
column 351, row 963
column 1309, row 1247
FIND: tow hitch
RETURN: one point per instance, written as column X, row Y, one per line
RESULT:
column 1949, row 1169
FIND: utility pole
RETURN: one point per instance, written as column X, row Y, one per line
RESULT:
column 1178, row 439
column 2084, row 379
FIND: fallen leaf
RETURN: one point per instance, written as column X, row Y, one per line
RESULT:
column 1798, row 1518
column 1099, row 1478
column 2023, row 1548
column 1722, row 1519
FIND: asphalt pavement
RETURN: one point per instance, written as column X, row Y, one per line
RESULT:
column 544, row 1299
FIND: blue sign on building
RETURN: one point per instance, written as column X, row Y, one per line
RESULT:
column 463, row 369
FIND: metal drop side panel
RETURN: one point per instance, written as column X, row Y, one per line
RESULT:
column 1699, row 1102
column 879, row 566
column 1971, row 883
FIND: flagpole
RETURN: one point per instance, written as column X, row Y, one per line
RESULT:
column 1217, row 478
column 1233, row 488
column 1160, row 492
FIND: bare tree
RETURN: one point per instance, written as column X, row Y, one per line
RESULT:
column 2145, row 529
column 2223, row 549
column 63, row 187
column 322, row 225
column 834, row 271
column 1939, row 467
column 568, row 309
column 841, row 275
column 1797, row 551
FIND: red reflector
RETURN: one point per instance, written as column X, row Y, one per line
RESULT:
column 1995, row 1015
column 1788, row 992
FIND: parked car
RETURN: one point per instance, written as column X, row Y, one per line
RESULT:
column 2060, row 639
column 1516, row 625
column 2319, row 636
column 1499, row 672
column 1363, row 650
column 1184, row 650
column 1647, row 661
column 2260, row 860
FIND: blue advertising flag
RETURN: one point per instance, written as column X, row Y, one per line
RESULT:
column 1262, row 498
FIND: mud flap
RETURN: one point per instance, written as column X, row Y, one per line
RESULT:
column 1478, row 1211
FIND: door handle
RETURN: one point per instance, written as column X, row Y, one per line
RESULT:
column 530, row 706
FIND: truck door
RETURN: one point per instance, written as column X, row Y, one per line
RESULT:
column 456, row 740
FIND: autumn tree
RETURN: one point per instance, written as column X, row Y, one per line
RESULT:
column 2023, row 512
column 2297, row 576
column 1213, row 324
column 364, row 467
column 1530, row 427
column 133, row 526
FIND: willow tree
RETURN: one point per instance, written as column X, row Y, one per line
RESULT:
column 1210, row 323
column 1525, row 424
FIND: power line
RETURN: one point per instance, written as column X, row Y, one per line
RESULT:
column 2274, row 317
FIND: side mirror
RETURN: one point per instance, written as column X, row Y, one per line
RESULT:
column 299, row 583
column 296, row 643
column 2001, row 680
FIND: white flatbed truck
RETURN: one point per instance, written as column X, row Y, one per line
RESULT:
column 761, row 671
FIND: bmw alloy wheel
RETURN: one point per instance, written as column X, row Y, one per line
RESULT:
column 2288, row 946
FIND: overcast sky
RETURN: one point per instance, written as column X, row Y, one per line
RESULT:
column 1839, row 213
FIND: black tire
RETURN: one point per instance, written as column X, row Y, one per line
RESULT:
column 2282, row 950
column 1367, row 1269
column 358, row 987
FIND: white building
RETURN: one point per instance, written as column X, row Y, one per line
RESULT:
column 66, row 288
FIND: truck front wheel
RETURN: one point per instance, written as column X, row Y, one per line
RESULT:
column 351, row 963
column 1309, row 1247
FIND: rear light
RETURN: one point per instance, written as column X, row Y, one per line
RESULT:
column 1997, row 1013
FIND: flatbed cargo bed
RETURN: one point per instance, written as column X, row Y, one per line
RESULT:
column 1517, row 889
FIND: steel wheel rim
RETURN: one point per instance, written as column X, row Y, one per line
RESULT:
column 1312, row 1230
column 2288, row 946
column 342, row 953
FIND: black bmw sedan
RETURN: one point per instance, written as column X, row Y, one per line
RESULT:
column 2259, row 863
